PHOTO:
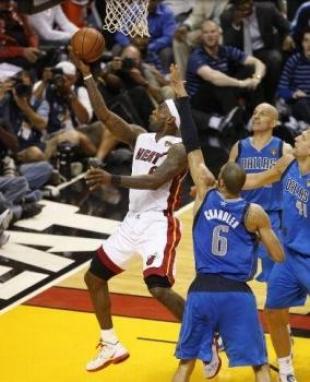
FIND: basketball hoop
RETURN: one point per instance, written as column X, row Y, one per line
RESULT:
column 127, row 16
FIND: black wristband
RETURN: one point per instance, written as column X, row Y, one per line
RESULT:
column 116, row 180
column 188, row 128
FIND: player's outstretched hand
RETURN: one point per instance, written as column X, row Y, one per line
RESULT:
column 82, row 67
column 176, row 81
column 95, row 178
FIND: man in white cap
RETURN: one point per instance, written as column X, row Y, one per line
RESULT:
column 149, row 228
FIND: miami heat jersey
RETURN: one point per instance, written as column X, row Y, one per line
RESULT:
column 222, row 244
column 296, row 211
column 148, row 155
column 252, row 161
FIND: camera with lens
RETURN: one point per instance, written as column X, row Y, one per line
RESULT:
column 127, row 63
column 21, row 89
column 57, row 81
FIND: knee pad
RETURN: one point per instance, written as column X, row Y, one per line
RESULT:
column 153, row 281
column 100, row 270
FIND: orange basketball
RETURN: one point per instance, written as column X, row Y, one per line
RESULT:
column 88, row 44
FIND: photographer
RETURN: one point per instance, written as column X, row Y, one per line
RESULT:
column 126, row 80
column 69, row 107
column 157, row 86
column 27, row 119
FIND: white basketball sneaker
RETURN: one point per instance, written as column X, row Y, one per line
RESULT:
column 287, row 378
column 107, row 354
column 212, row 368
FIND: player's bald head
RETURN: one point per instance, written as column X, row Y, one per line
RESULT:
column 233, row 177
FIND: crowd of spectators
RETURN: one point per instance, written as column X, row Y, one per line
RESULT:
column 233, row 54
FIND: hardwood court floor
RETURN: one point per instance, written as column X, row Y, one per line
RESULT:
column 40, row 344
column 52, row 338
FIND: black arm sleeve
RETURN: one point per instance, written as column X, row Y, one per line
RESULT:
column 188, row 128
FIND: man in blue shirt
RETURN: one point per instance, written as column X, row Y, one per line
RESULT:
column 211, row 73
column 162, row 25
column 294, row 84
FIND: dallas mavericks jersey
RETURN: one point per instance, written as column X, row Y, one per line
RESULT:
column 222, row 244
column 296, row 211
column 148, row 155
column 254, row 161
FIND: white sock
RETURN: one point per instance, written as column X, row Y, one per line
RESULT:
column 214, row 122
column 109, row 336
column 286, row 365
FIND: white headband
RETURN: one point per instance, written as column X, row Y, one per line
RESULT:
column 173, row 111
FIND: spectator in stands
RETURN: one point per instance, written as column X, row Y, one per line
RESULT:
column 162, row 26
column 188, row 33
column 300, row 22
column 251, row 27
column 211, row 81
column 147, row 75
column 128, row 88
column 294, row 84
column 180, row 8
column 37, row 174
column 52, row 26
column 26, row 119
column 19, row 44
column 69, row 107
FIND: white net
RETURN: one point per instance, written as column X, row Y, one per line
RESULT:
column 127, row 16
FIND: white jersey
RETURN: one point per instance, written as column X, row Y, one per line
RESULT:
column 148, row 155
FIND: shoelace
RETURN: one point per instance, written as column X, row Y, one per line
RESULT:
column 103, row 348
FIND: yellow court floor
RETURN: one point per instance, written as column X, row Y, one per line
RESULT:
column 48, row 345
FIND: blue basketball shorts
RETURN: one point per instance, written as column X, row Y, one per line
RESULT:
column 234, row 316
column 289, row 282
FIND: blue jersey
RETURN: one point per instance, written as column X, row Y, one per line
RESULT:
column 222, row 244
column 296, row 209
column 254, row 161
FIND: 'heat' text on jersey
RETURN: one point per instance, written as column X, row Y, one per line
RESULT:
column 148, row 155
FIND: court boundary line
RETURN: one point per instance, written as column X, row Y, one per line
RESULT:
column 44, row 287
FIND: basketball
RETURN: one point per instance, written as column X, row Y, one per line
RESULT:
column 88, row 44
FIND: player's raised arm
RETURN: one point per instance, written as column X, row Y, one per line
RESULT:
column 201, row 175
column 122, row 130
column 234, row 152
column 258, row 221
column 263, row 178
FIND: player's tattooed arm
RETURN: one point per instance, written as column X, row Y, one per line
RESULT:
column 257, row 221
column 122, row 130
column 263, row 178
column 175, row 163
